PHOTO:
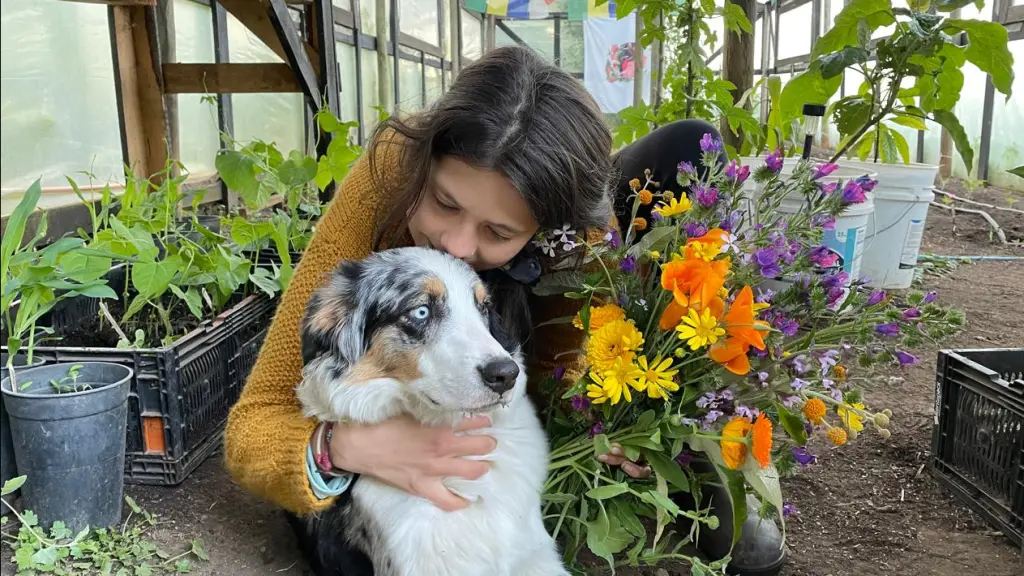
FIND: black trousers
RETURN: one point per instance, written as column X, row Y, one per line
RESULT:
column 661, row 151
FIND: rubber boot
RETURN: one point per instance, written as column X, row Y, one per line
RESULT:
column 759, row 550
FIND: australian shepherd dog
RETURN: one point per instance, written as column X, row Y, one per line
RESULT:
column 411, row 330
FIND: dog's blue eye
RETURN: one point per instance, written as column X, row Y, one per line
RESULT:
column 420, row 314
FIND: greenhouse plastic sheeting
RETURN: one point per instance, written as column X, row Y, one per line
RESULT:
column 198, row 131
column 58, row 114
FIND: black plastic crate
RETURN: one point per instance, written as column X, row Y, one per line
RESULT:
column 181, row 394
column 978, row 438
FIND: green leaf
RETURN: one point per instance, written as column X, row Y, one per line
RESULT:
column 199, row 549
column 868, row 15
column 601, row 445
column 143, row 570
column 246, row 233
column 807, row 88
column 29, row 518
column 607, row 491
column 134, row 307
column 851, row 113
column 59, row 530
column 735, row 19
column 909, row 121
column 297, row 170
column 669, row 469
column 737, row 500
column 645, row 420
column 866, row 145
column 151, row 279
column 627, row 518
column 12, row 485
column 96, row 291
column 951, row 5
column 606, row 538
column 1018, row 171
column 902, row 146
column 558, row 497
column 656, row 239
column 323, row 173
column 887, row 145
column 340, row 157
column 191, row 298
column 238, row 171
column 264, row 280
column 660, row 501
column 558, row 283
column 45, row 556
column 987, row 49
column 949, row 121
column 836, row 63
column 793, row 425
column 83, row 267
column 14, row 231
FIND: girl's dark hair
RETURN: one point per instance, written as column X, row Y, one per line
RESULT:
column 513, row 113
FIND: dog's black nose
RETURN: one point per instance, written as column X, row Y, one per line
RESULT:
column 499, row 375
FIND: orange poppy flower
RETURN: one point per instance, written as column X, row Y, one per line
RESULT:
column 674, row 312
column 740, row 321
column 714, row 236
column 732, row 354
column 734, row 442
column 762, row 441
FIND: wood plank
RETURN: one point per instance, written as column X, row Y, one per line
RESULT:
column 255, row 15
column 251, row 78
column 117, row 2
column 145, row 124
column 738, row 65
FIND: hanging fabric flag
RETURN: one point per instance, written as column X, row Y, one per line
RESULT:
column 609, row 52
column 518, row 9
column 497, row 7
column 476, row 5
column 586, row 9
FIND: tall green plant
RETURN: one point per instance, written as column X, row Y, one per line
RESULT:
column 912, row 76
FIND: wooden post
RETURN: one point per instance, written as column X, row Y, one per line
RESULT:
column 143, row 122
column 638, row 62
column 455, row 35
column 657, row 68
column 738, row 64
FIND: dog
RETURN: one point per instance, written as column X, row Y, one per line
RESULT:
column 411, row 330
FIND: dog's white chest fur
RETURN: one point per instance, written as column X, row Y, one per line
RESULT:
column 500, row 534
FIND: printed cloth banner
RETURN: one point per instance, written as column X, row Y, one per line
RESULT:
column 609, row 52
column 540, row 9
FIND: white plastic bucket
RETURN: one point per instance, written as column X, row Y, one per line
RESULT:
column 847, row 239
column 894, row 235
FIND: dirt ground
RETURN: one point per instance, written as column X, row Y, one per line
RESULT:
column 868, row 508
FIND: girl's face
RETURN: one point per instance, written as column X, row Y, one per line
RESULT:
column 475, row 215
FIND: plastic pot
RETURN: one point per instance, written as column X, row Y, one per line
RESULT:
column 70, row 445
column 8, row 467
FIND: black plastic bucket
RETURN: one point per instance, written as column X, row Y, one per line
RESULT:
column 8, row 468
column 70, row 446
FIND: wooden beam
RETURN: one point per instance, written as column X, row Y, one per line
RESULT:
column 288, row 34
column 117, row 2
column 252, row 78
column 255, row 15
column 145, row 125
column 738, row 64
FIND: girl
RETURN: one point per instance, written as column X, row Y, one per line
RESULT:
column 516, row 146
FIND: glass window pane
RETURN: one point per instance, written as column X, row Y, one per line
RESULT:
column 1007, row 126
column 369, row 87
column 418, row 18
column 798, row 42
column 56, row 97
column 472, row 36
column 278, row 118
column 446, row 39
column 433, row 86
column 198, row 131
column 343, row 4
column 537, row 34
column 349, row 95
column 410, row 87
column 572, row 46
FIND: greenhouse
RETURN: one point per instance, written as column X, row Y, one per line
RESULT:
column 512, row 287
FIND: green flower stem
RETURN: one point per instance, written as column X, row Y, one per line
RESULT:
column 608, row 274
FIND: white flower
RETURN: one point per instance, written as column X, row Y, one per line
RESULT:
column 546, row 247
column 563, row 234
column 642, row 303
column 730, row 243
column 569, row 245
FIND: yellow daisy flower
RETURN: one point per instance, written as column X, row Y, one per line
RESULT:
column 850, row 416
column 616, row 339
column 674, row 207
column 599, row 316
column 613, row 384
column 699, row 330
column 706, row 251
column 657, row 378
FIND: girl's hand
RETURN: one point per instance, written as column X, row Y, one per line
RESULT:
column 618, row 458
column 414, row 457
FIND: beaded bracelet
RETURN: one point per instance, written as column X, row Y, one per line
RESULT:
column 322, row 453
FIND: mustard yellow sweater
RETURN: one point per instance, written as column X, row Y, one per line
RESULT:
column 266, row 437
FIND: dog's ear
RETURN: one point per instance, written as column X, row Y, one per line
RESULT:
column 332, row 324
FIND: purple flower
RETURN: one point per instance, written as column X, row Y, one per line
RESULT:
column 827, row 361
column 830, row 387
column 746, row 412
column 790, row 401
column 628, row 265
column 759, row 353
column 687, row 168
column 906, row 358
column 656, row 216
column 695, row 229
column 684, row 458
column 689, row 421
column 824, row 170
column 774, row 161
column 787, row 326
column 764, row 295
column 558, row 373
column 930, row 297
column 825, row 221
column 910, row 313
column 708, row 399
column 823, row 256
column 763, row 377
column 738, row 174
column 853, row 193
column 732, row 222
column 808, row 428
column 801, row 365
column 788, row 509
column 876, row 297
column 726, row 395
column 867, row 184
column 596, row 429
column 804, row 457
column 743, row 175
column 799, row 384
column 710, row 144
column 711, row 417
column 768, row 260
column 706, row 196
column 837, row 280
column 888, row 329
column 829, row 188
column 613, row 239
column 580, row 403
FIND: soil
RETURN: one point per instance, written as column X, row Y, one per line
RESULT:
column 870, row 507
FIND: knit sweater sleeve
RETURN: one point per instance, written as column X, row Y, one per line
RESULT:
column 267, row 434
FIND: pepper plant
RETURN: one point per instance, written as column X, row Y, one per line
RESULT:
column 912, row 76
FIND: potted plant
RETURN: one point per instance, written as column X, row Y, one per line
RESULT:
column 912, row 76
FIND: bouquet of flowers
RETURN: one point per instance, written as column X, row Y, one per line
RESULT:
column 720, row 329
